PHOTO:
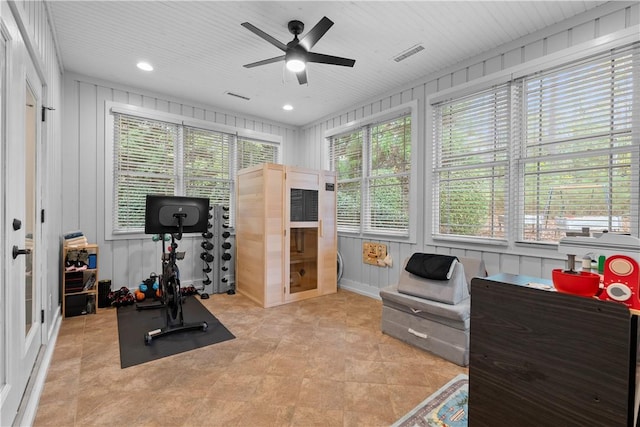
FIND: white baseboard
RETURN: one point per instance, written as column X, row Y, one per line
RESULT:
column 360, row 288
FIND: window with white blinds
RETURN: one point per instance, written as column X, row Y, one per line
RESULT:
column 471, row 164
column 373, row 164
column 144, row 163
column 569, row 138
column 579, row 165
column 156, row 157
column 207, row 165
column 254, row 152
column 346, row 159
column 387, row 203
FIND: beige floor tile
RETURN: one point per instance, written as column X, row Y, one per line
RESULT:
column 314, row 417
column 318, row 362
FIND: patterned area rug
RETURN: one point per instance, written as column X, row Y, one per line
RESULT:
column 446, row 407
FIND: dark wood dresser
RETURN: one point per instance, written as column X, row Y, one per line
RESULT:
column 543, row 358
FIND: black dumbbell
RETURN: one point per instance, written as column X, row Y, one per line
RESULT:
column 226, row 256
column 226, row 245
column 206, row 256
column 206, row 245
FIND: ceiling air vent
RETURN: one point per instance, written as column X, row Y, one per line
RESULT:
column 238, row 96
column 407, row 53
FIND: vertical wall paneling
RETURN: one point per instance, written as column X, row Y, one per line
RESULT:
column 513, row 58
column 87, row 158
column 557, row 42
column 493, row 65
column 583, row 33
column 534, row 51
column 559, row 37
column 633, row 15
column 70, row 156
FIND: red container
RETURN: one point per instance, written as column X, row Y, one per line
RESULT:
column 578, row 283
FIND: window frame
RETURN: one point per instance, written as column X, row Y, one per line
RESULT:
column 112, row 107
column 625, row 38
column 410, row 108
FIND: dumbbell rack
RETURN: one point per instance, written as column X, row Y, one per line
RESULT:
column 218, row 253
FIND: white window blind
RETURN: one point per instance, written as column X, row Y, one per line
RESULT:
column 561, row 143
column 471, row 164
column 207, row 169
column 144, row 163
column 253, row 152
column 387, row 202
column 156, row 157
column 373, row 163
column 579, row 163
column 346, row 159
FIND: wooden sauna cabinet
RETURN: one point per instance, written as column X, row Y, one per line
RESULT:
column 286, row 236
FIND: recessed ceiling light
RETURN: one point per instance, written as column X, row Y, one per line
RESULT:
column 287, row 107
column 145, row 66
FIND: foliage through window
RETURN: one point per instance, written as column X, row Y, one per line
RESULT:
column 548, row 153
column 373, row 164
column 157, row 157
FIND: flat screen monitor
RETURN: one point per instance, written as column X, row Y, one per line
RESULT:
column 162, row 214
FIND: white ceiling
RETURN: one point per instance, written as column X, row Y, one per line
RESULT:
column 198, row 48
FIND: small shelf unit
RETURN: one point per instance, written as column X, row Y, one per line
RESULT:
column 79, row 286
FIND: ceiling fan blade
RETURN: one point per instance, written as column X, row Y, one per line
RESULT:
column 312, row 37
column 302, row 77
column 265, row 61
column 257, row 31
column 328, row 59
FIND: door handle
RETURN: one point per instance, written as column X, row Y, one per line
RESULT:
column 17, row 251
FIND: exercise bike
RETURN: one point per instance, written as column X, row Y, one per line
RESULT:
column 171, row 294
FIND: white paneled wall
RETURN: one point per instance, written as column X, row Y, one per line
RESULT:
column 126, row 262
column 601, row 23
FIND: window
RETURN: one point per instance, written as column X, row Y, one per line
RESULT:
column 373, row 163
column 346, row 160
column 471, row 164
column 156, row 156
column 254, row 152
column 144, row 161
column 207, row 165
column 559, row 143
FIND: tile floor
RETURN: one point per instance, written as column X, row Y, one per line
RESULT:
column 319, row 362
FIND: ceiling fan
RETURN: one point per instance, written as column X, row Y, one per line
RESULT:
column 297, row 51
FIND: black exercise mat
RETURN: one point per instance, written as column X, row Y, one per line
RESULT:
column 133, row 324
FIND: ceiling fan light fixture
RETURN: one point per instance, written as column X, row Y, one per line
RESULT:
column 298, row 51
column 296, row 65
